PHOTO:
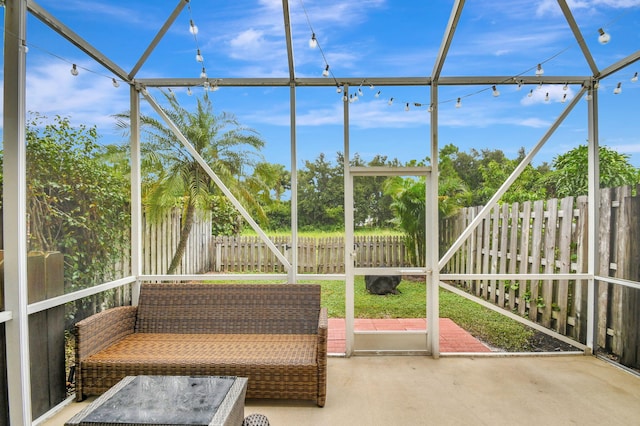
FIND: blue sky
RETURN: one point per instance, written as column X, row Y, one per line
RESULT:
column 370, row 38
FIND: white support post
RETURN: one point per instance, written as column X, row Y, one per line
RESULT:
column 349, row 241
column 293, row 272
column 15, row 213
column 432, row 246
column 136, row 193
column 594, row 219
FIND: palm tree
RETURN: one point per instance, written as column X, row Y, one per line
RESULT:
column 174, row 178
column 409, row 206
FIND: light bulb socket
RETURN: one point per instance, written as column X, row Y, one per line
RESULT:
column 604, row 37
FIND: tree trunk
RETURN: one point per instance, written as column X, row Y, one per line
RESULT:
column 184, row 237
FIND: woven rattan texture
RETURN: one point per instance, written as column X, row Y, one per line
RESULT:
column 276, row 335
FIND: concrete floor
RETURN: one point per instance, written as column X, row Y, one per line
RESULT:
column 415, row 390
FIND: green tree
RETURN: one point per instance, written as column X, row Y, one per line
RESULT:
column 177, row 179
column 77, row 204
column 320, row 194
column 570, row 171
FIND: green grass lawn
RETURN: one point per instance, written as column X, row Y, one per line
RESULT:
column 485, row 324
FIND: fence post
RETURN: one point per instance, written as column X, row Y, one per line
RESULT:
column 630, row 353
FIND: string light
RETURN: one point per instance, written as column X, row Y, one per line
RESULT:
column 546, row 97
column 564, row 98
column 496, row 93
column 406, row 107
column 338, row 89
column 203, row 74
column 565, row 87
column 618, row 89
column 458, row 103
column 74, row 70
column 313, row 42
column 360, row 91
column 539, row 70
column 325, row 73
column 199, row 57
column 189, row 92
column 430, row 109
column 604, row 37
column 115, row 82
column 390, row 101
column 634, row 78
column 193, row 29
column 530, row 94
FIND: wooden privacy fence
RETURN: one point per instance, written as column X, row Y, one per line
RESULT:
column 552, row 237
column 315, row 255
column 160, row 240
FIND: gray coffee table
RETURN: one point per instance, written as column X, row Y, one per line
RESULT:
column 167, row 401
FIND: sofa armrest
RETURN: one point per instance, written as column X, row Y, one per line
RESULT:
column 323, row 327
column 101, row 330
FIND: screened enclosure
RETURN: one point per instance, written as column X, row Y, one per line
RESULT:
column 362, row 93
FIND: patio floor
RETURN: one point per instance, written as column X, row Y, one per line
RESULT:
column 494, row 390
column 453, row 338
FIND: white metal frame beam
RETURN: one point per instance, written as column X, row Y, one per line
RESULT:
column 15, row 213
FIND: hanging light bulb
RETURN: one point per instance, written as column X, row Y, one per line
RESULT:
column 618, row 89
column 371, row 86
column 564, row 98
column 390, row 101
column 203, row 74
column 565, row 87
column 377, row 95
column 596, row 85
column 215, row 87
column 351, row 100
column 206, row 85
column 546, row 97
column 325, row 73
column 313, row 42
column 406, row 106
column 115, row 82
column 495, row 92
column 345, row 98
column 540, row 86
column 603, row 38
column 338, row 89
column 458, row 103
column 634, row 78
column 355, row 97
column 199, row 57
column 74, row 70
column 171, row 93
column 430, row 109
column 530, row 94
column 189, row 91
column 360, row 91
column 519, row 84
column 539, row 70
column 193, row 29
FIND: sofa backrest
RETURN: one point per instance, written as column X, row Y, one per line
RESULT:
column 228, row 308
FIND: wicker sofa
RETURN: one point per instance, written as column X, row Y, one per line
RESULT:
column 273, row 334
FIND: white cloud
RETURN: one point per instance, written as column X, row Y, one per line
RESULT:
column 551, row 6
column 88, row 99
